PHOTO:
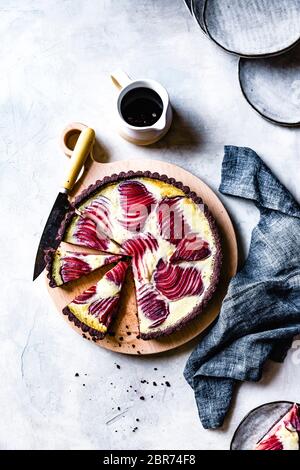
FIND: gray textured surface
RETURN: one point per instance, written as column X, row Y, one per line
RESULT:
column 55, row 63
column 253, row 28
column 258, row 423
column 272, row 86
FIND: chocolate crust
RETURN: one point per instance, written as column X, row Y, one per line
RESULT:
column 115, row 178
column 95, row 334
column 49, row 258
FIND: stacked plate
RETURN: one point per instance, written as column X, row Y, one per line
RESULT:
column 265, row 34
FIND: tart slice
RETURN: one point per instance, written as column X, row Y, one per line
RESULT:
column 65, row 266
column 284, row 435
column 91, row 226
column 94, row 310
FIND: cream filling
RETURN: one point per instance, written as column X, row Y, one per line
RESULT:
column 106, row 288
column 96, row 261
column 160, row 189
column 56, row 265
column 81, row 312
column 288, row 438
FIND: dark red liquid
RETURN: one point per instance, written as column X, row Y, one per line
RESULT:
column 141, row 107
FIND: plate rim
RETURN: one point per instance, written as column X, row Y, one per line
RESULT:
column 255, row 409
column 267, row 118
column 242, row 55
column 203, row 30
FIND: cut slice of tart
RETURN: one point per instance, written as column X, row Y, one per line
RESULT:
column 169, row 235
column 91, row 226
column 65, row 266
column 94, row 310
column 284, row 435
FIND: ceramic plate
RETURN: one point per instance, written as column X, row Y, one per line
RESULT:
column 197, row 8
column 253, row 29
column 272, row 86
column 257, row 423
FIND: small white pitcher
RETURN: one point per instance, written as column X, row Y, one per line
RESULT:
column 148, row 134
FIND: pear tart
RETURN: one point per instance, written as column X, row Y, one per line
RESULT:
column 160, row 228
column 285, row 434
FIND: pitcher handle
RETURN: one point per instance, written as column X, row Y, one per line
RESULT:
column 120, row 79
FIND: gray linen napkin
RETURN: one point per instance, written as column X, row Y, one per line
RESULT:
column 261, row 312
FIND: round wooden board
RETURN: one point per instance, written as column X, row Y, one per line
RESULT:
column 125, row 326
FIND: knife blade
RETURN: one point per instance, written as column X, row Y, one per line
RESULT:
column 62, row 204
column 48, row 238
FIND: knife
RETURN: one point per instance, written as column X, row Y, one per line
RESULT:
column 62, row 204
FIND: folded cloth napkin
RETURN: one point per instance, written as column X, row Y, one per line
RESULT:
column 261, row 312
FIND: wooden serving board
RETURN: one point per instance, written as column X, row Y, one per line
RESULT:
column 126, row 327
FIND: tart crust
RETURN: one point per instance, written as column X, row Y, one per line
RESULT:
column 115, row 178
column 49, row 259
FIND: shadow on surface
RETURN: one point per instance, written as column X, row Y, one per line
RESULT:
column 182, row 133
